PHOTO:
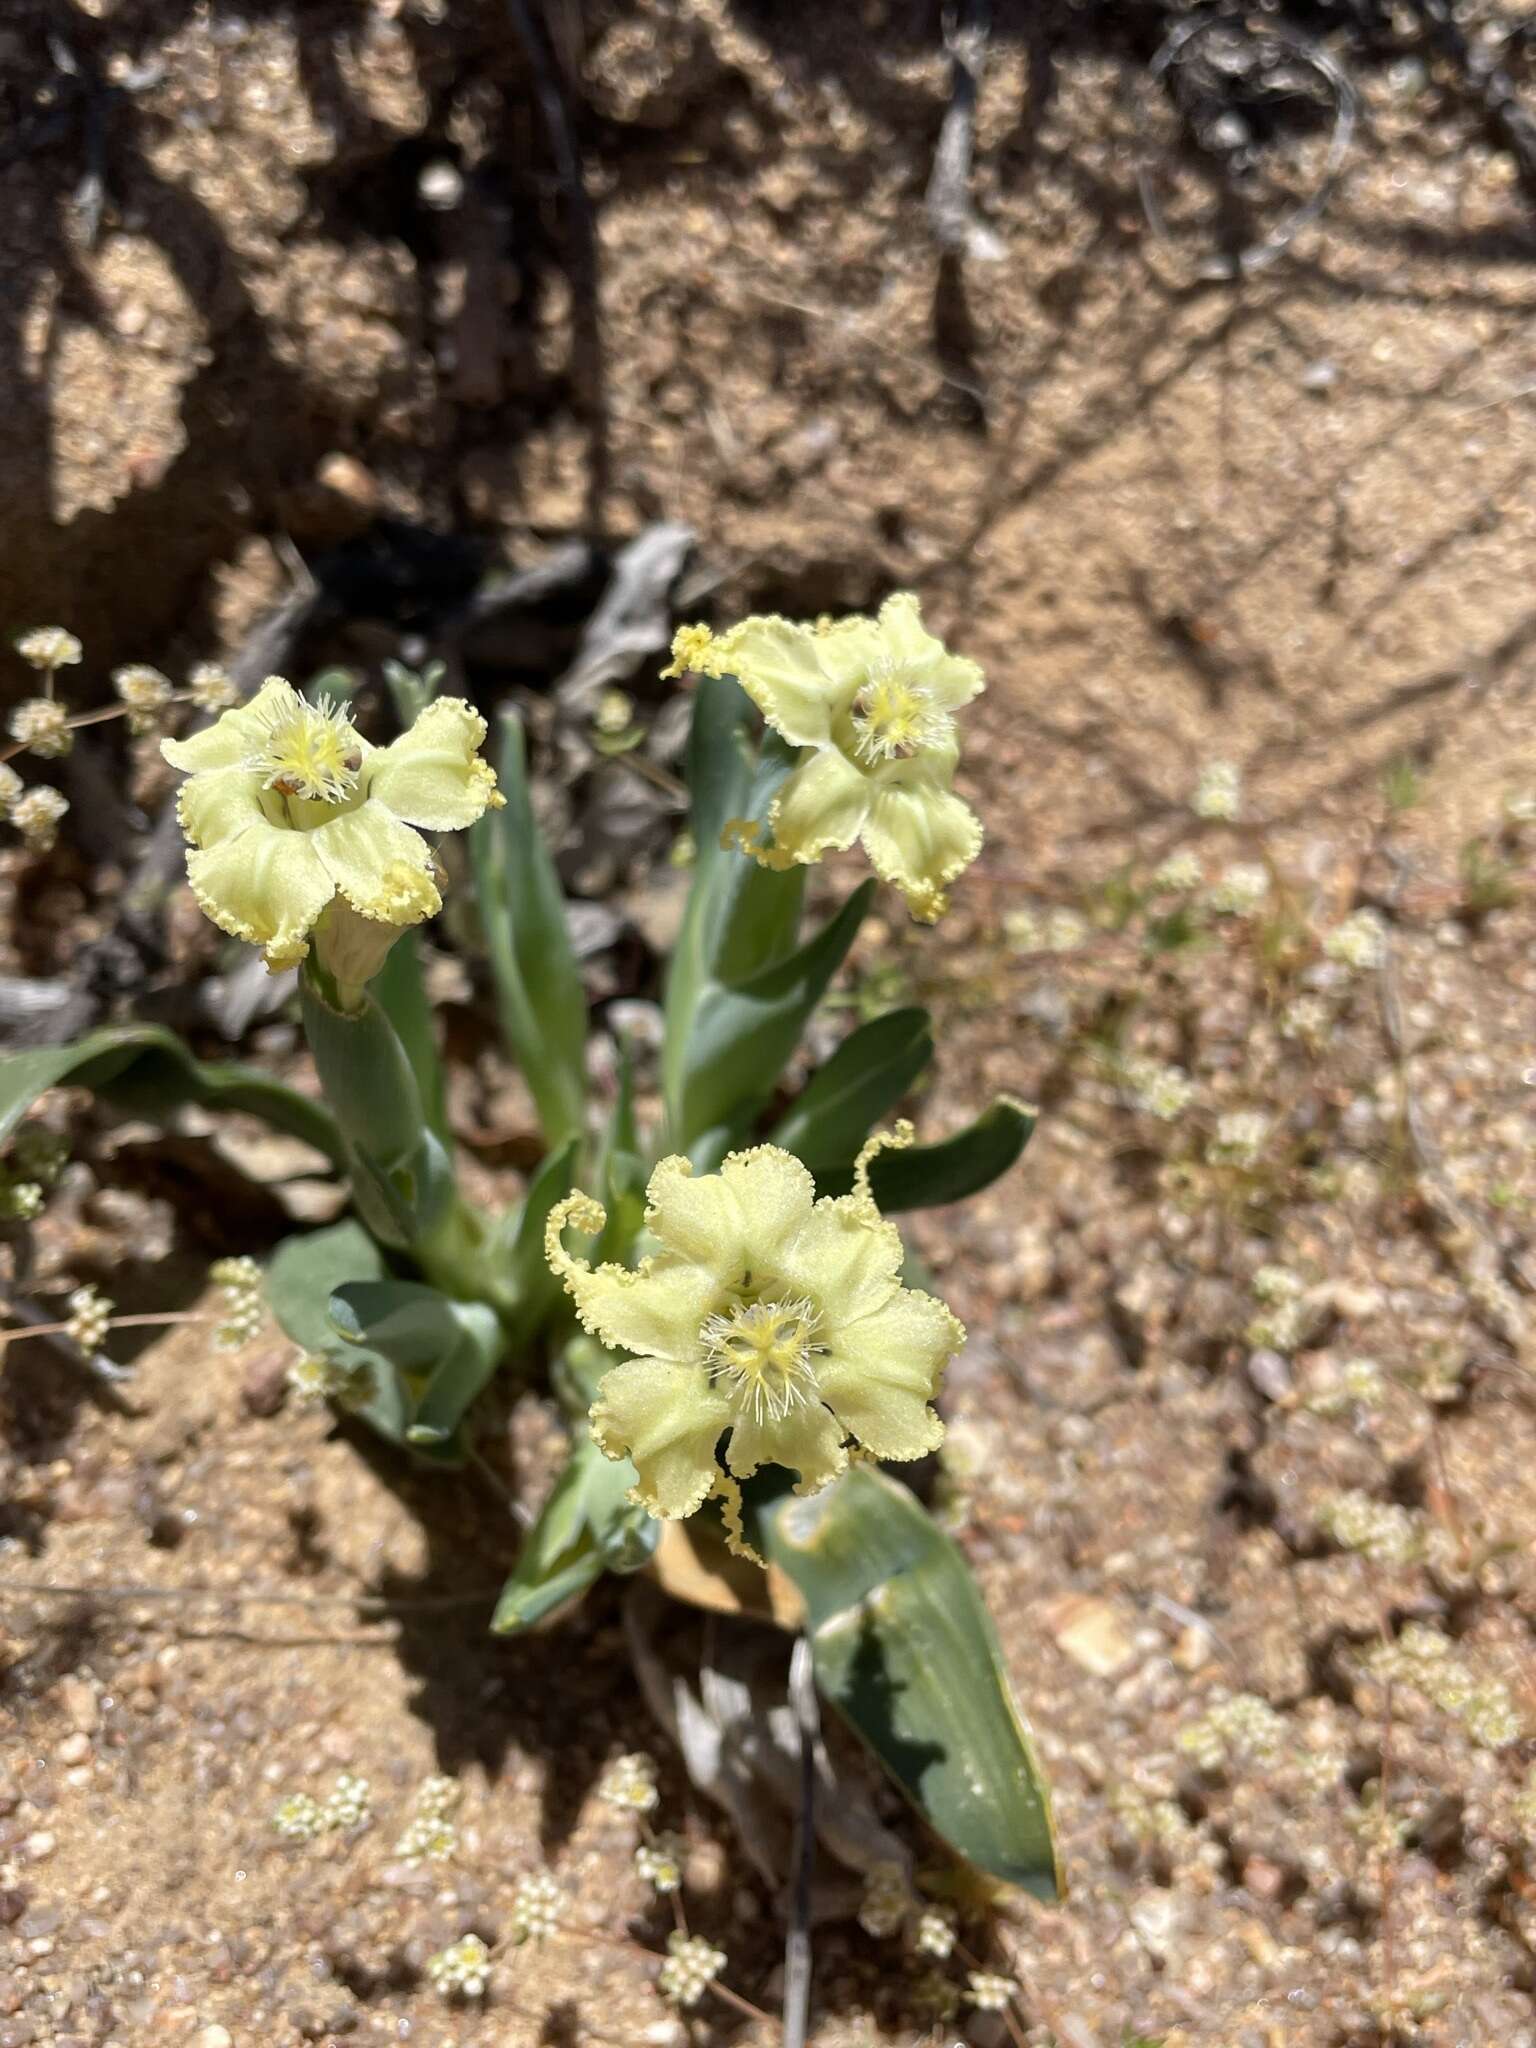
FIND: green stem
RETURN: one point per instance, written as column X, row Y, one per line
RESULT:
column 402, row 1175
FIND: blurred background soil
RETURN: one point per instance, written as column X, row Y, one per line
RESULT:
column 386, row 295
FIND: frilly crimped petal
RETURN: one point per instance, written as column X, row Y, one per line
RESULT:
column 432, row 776
column 809, row 1441
column 266, row 886
column 666, row 1419
column 779, row 666
column 883, row 1370
column 656, row 1309
column 821, row 807
column 235, row 736
column 361, row 847
column 920, row 837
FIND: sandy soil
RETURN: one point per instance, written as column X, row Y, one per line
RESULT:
column 1284, row 522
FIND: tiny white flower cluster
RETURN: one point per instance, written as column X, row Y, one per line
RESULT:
column 1381, row 1530
column 1423, row 1658
column 41, row 725
column 20, row 1200
column 350, row 1803
column 1054, row 931
column 239, row 1282
column 48, row 647
column 660, row 1862
column 629, row 1783
column 536, row 1907
column 1237, row 1728
column 90, row 1318
column 1179, row 873
column 36, row 813
column 1285, row 1320
column 1158, row 1089
column 1359, row 1385
column 314, row 1377
column 1240, row 889
column 301, row 1818
column 431, row 1835
column 692, row 1965
column 1306, row 1019
column 1359, row 942
column 1239, row 1138
column 1218, row 792
column 210, row 689
column 145, row 692
column 463, row 1969
column 990, row 1992
column 934, row 1932
column 615, row 713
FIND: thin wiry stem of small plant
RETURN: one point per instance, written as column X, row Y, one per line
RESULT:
column 638, row 1948
column 797, row 1941
column 147, row 1321
column 383, row 1604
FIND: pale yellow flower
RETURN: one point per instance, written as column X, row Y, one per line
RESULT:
column 293, row 818
column 767, row 1313
column 872, row 702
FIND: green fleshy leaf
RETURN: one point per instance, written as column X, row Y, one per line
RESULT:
column 533, row 1288
column 539, row 996
column 927, row 1176
column 588, row 1526
column 442, row 1351
column 743, row 1032
column 148, row 1070
column 905, row 1650
column 740, row 918
column 304, row 1273
column 400, row 990
column 863, row 1080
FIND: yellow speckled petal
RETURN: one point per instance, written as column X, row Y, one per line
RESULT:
column 235, row 736
column 698, row 1217
column 267, row 886
column 822, row 805
column 667, row 1419
column 218, row 804
column 882, row 1371
column 775, row 1194
column 844, row 1262
column 920, row 837
column 950, row 679
column 779, row 666
column 432, row 775
column 362, row 848
column 809, row 1440
column 657, row 1310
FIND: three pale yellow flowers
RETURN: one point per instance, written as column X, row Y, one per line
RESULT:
column 295, row 821
column 768, row 1314
column 871, row 703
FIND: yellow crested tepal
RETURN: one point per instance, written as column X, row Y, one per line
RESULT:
column 871, row 703
column 767, row 1313
column 299, row 830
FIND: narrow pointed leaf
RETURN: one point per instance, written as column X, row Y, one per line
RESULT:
column 906, row 1652
column 927, row 1176
column 743, row 1033
column 588, row 1526
column 442, row 1351
column 539, row 996
column 863, row 1081
column 149, row 1070
column 533, row 1288
column 400, row 990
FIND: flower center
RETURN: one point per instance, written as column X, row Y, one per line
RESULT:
column 895, row 716
column 309, row 750
column 765, row 1350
